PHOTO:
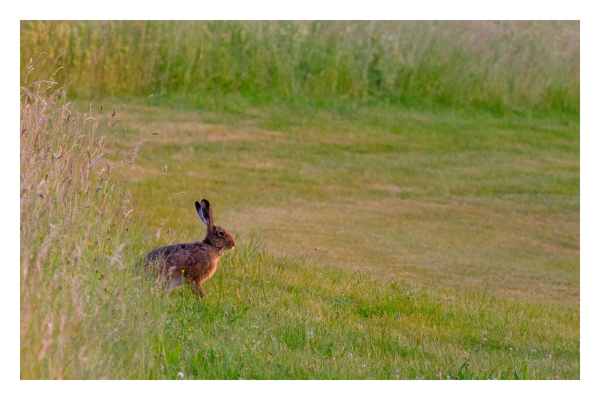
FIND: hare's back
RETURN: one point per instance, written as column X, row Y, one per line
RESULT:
column 184, row 255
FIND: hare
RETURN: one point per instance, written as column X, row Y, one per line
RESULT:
column 195, row 262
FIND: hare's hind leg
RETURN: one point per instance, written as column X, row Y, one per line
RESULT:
column 168, row 281
column 175, row 279
column 174, row 282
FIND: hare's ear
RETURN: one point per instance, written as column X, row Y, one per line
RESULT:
column 205, row 212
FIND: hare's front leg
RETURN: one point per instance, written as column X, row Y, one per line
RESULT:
column 198, row 289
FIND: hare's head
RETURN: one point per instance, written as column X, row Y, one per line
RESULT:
column 215, row 235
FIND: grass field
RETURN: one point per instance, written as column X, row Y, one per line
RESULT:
column 376, row 239
column 464, row 201
column 467, row 229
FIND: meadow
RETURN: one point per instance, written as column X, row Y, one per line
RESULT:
column 492, row 65
column 377, row 239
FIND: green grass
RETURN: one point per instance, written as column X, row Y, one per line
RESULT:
column 439, row 197
column 491, row 65
column 417, row 228
column 431, row 228
column 287, row 319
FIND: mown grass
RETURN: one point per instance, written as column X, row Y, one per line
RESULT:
column 492, row 65
column 87, row 311
column 442, row 197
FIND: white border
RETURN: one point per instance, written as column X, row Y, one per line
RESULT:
column 309, row 10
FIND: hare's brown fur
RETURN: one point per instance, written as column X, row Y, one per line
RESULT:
column 195, row 262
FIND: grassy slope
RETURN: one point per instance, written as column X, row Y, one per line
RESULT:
column 300, row 321
column 448, row 198
column 488, row 207
column 467, row 204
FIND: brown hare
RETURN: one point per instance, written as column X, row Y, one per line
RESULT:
column 195, row 262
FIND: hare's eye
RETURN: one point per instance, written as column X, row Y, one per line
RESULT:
column 221, row 234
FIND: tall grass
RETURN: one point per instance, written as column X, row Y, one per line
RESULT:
column 518, row 65
column 78, row 228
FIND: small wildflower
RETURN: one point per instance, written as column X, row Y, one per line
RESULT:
column 349, row 355
column 216, row 356
column 483, row 341
column 180, row 375
column 550, row 356
column 364, row 365
column 447, row 376
column 510, row 349
column 189, row 330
